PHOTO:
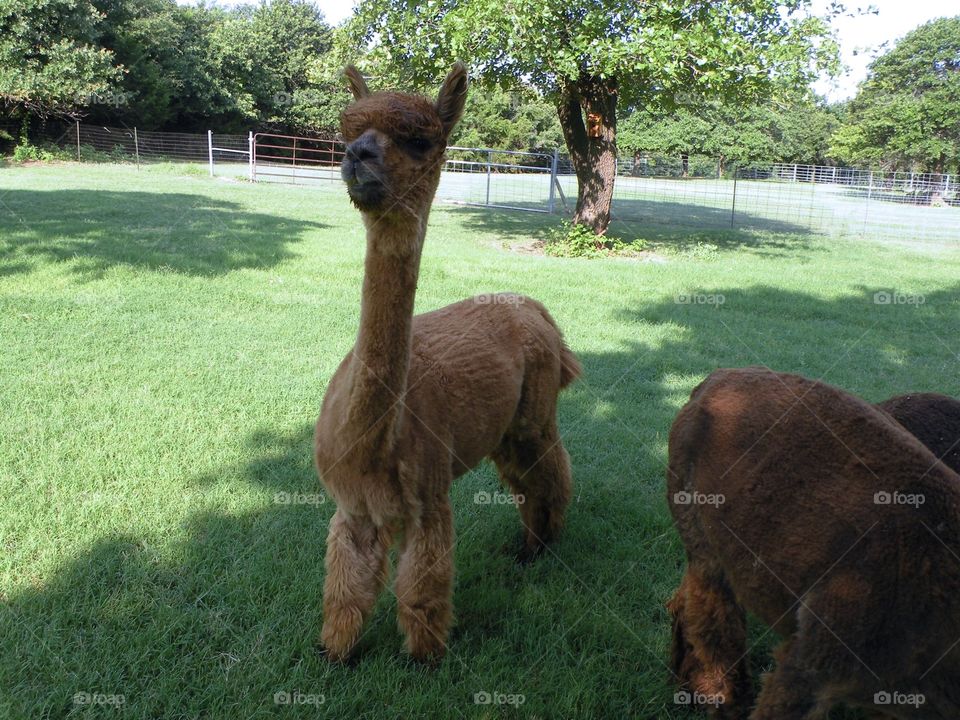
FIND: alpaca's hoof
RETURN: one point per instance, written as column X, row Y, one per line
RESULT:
column 426, row 645
column 428, row 657
column 528, row 555
column 529, row 551
column 335, row 656
column 338, row 647
column 431, row 662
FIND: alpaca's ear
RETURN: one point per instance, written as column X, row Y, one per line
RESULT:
column 452, row 97
column 358, row 86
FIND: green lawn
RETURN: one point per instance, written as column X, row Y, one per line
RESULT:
column 165, row 343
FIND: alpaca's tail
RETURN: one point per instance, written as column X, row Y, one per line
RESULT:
column 570, row 367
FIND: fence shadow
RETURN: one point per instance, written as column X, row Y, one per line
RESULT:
column 233, row 617
column 98, row 229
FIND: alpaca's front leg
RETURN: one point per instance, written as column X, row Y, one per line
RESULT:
column 356, row 572
column 425, row 581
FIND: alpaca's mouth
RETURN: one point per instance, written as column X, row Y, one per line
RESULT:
column 364, row 184
column 366, row 195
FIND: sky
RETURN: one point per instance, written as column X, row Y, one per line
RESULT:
column 860, row 37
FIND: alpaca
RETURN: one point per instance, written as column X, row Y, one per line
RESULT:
column 933, row 419
column 819, row 514
column 422, row 399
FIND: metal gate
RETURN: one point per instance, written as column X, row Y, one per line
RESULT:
column 295, row 159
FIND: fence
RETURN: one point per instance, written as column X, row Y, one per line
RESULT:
column 695, row 192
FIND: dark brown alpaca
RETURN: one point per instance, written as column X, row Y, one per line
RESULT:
column 801, row 504
column 421, row 400
column 933, row 419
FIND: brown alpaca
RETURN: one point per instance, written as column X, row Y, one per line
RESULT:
column 933, row 419
column 780, row 488
column 421, row 400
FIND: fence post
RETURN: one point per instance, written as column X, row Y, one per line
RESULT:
column 946, row 185
column 866, row 210
column 733, row 205
column 489, row 163
column 252, row 165
column 136, row 147
column 554, row 165
column 210, row 150
column 78, row 141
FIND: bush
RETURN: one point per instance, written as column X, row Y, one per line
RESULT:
column 574, row 240
column 25, row 152
column 48, row 152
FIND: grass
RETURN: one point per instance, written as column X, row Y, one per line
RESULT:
column 166, row 342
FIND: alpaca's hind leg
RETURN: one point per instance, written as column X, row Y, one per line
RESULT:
column 357, row 570
column 425, row 581
column 791, row 691
column 817, row 669
column 537, row 469
column 709, row 644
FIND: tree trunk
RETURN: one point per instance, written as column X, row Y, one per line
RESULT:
column 685, row 165
column 588, row 116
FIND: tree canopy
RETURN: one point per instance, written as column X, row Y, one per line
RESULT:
column 160, row 65
column 588, row 56
column 796, row 131
column 728, row 79
column 905, row 115
column 50, row 59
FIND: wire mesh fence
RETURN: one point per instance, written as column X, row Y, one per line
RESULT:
column 687, row 191
column 499, row 178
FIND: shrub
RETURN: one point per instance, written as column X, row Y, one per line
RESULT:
column 574, row 240
column 48, row 152
column 25, row 152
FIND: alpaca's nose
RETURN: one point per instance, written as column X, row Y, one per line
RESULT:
column 363, row 149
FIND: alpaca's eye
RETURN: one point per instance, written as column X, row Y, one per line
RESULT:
column 417, row 145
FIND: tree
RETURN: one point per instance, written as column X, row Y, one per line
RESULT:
column 794, row 130
column 905, row 113
column 269, row 50
column 518, row 120
column 50, row 61
column 171, row 78
column 587, row 56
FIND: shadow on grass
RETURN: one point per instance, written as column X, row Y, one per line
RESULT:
column 674, row 227
column 190, row 234
column 232, row 618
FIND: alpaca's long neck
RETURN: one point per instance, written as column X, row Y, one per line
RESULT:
column 381, row 356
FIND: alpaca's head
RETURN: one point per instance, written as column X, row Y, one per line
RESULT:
column 396, row 143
